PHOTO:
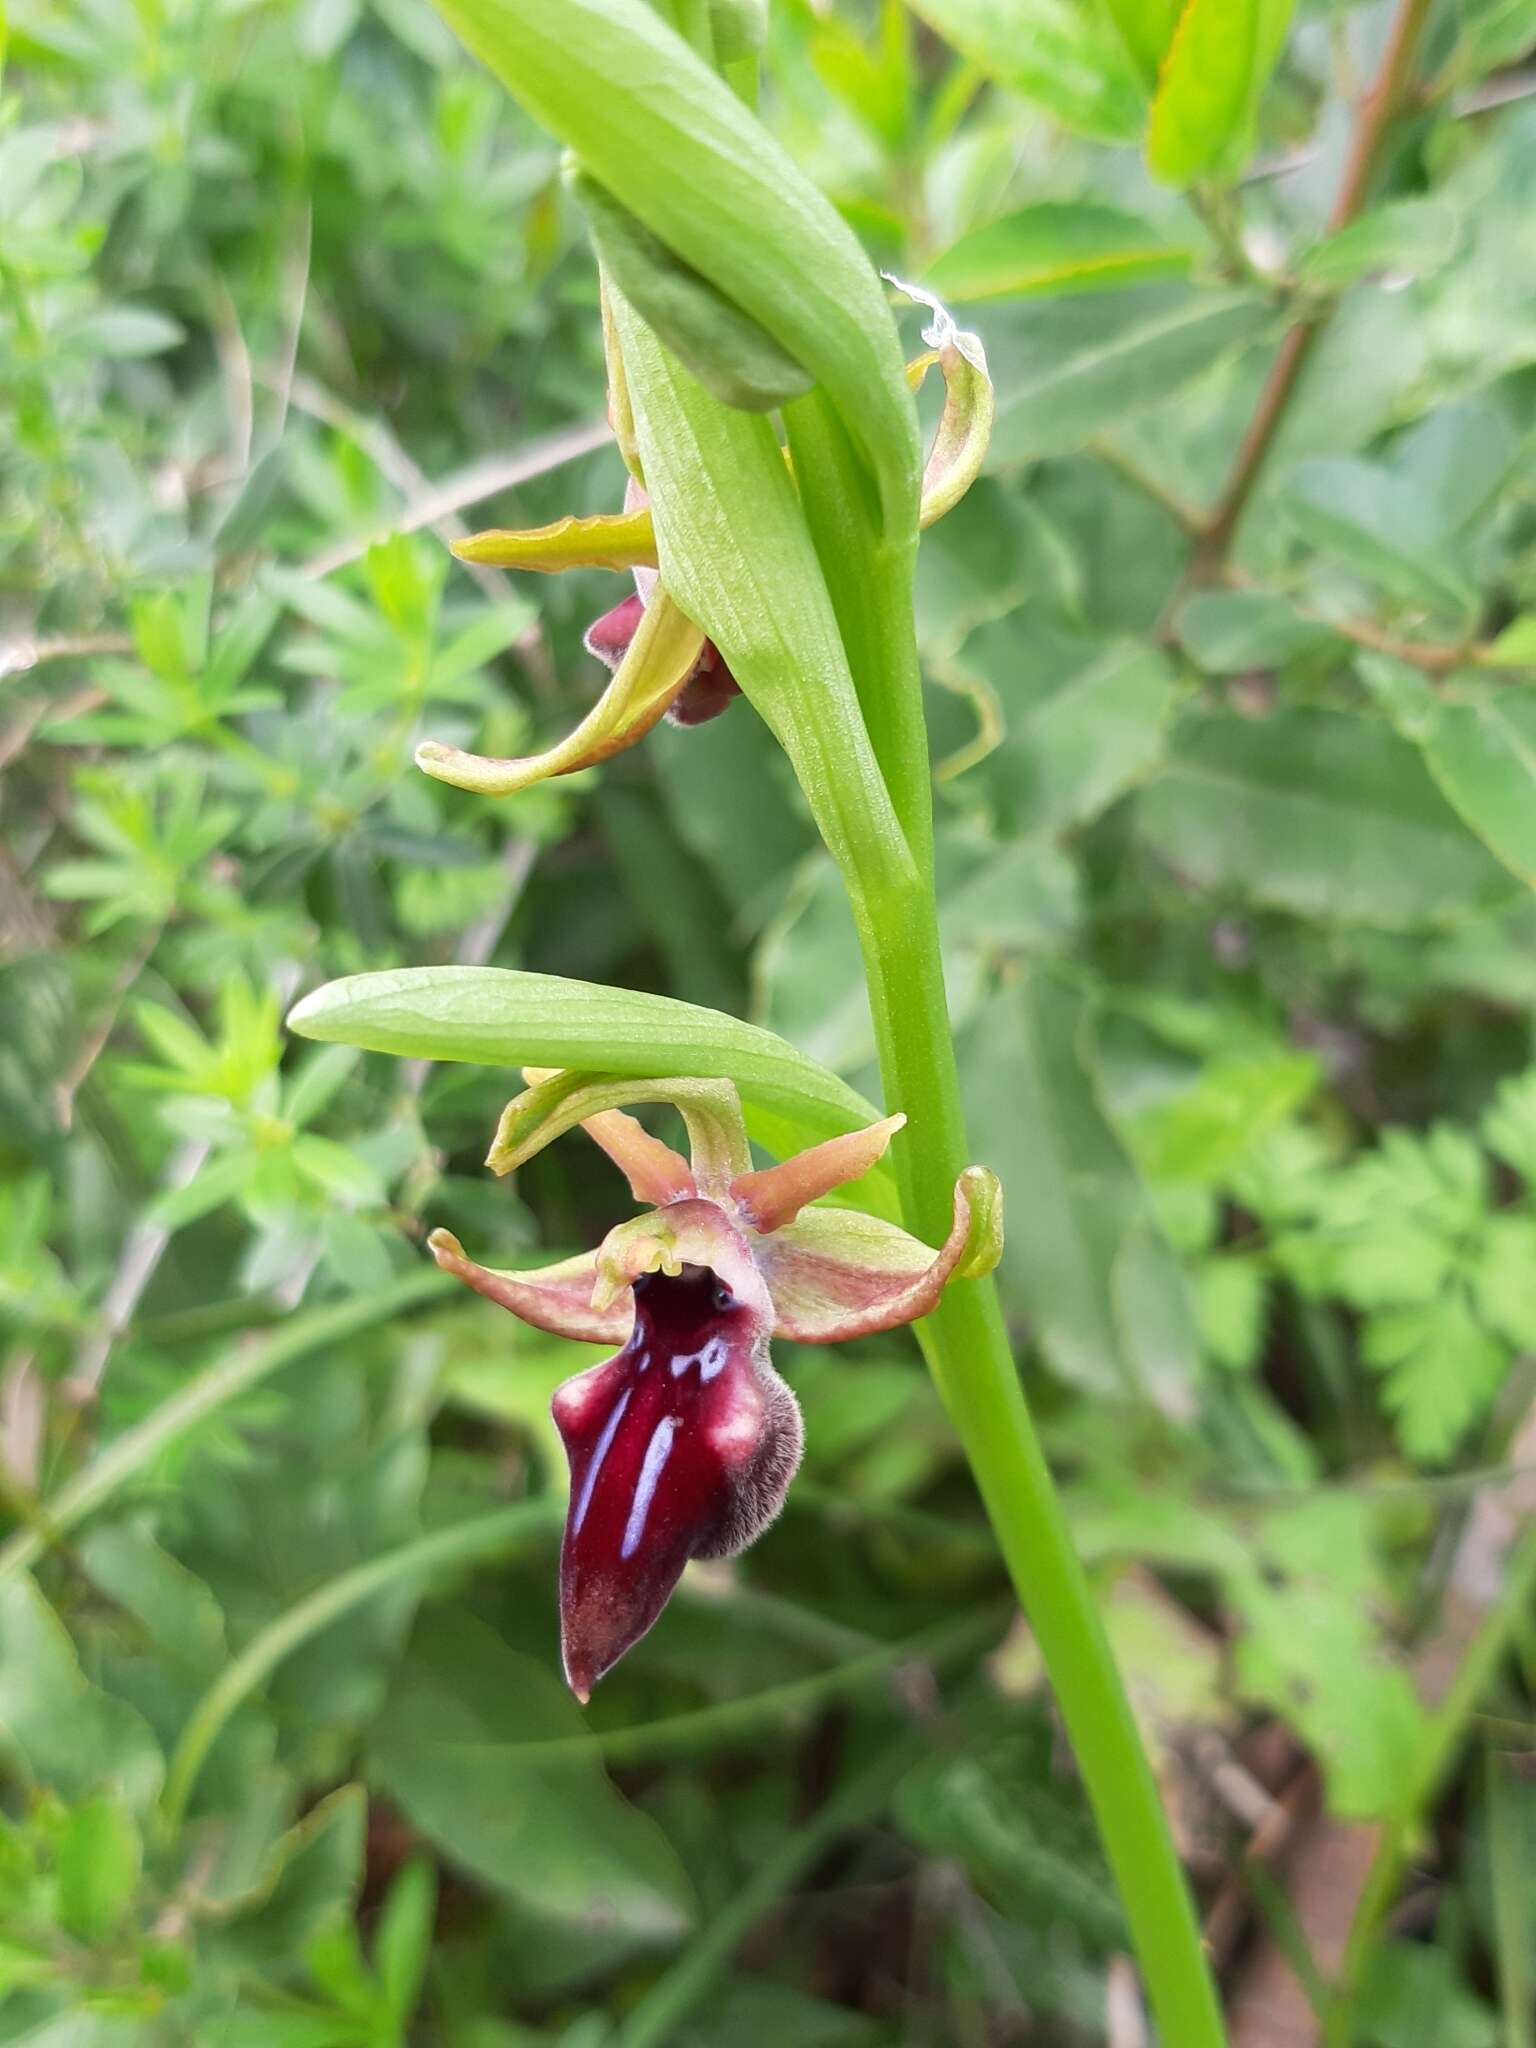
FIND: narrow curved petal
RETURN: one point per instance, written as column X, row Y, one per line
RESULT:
column 711, row 1110
column 621, row 413
column 681, row 1446
column 696, row 1233
column 660, row 659
column 775, row 1195
column 710, row 689
column 837, row 1273
column 556, row 1298
column 965, row 425
column 655, row 1173
column 601, row 540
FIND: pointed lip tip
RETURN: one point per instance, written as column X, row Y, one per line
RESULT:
column 580, row 1684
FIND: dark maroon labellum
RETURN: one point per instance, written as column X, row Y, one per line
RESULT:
column 609, row 637
column 680, row 1446
column 708, row 690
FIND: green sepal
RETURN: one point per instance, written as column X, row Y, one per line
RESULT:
column 711, row 1110
column 726, row 349
column 601, row 540
column 983, row 1193
column 651, row 121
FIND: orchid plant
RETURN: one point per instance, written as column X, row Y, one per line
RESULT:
column 783, row 571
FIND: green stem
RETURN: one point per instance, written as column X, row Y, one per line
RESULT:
column 487, row 1535
column 967, row 1347
column 873, row 605
column 202, row 1396
column 1511, row 1883
column 1443, row 1735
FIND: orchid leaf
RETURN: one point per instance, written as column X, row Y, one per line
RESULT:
column 500, row 1017
column 737, row 555
column 1055, row 247
column 726, row 349
column 653, row 124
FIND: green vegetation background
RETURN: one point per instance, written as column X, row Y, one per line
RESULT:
column 1242, row 955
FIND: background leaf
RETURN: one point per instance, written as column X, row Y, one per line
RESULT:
column 1055, row 247
column 1318, row 812
column 1087, row 1259
column 1068, row 59
column 456, row 1746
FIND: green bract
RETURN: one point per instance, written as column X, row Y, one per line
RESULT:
column 652, row 123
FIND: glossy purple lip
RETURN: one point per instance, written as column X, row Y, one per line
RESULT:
column 680, row 1446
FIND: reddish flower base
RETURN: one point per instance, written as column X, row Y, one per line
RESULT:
column 707, row 691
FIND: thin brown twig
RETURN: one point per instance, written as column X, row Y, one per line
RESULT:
column 435, row 504
column 1435, row 657
column 1184, row 515
column 143, row 1249
column 17, row 656
column 69, row 1086
column 1377, row 107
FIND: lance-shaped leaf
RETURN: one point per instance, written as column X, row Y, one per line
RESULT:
column 658, row 663
column 711, row 1110
column 775, row 1195
column 556, row 1298
column 837, row 1273
column 965, row 425
column 1208, row 87
column 726, row 349
column 502, row 1017
column 601, row 540
column 681, row 1446
column 1056, row 246
column 666, row 136
column 736, row 552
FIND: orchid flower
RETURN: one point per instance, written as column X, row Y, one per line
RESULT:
column 683, row 1443
column 662, row 664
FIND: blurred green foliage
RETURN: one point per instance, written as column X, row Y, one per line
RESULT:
column 1242, row 956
